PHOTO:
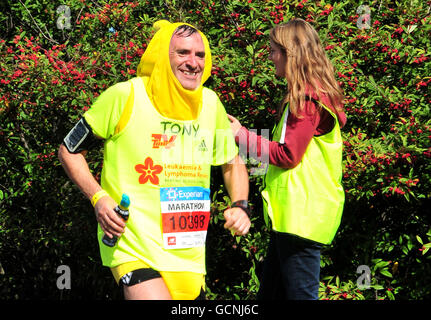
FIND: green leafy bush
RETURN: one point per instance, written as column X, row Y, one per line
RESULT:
column 56, row 60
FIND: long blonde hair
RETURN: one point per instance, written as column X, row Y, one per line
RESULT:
column 307, row 66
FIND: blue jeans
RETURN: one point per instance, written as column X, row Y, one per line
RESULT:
column 291, row 269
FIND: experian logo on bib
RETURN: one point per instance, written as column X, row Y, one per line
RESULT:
column 190, row 194
column 178, row 194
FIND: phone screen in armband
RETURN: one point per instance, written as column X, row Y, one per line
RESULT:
column 76, row 137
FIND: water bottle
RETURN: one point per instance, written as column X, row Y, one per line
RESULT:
column 123, row 211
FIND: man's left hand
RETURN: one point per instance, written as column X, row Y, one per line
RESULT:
column 237, row 221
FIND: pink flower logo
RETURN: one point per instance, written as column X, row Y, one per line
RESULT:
column 149, row 171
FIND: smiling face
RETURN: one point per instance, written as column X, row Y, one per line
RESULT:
column 187, row 57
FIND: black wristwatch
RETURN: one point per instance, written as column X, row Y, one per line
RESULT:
column 243, row 204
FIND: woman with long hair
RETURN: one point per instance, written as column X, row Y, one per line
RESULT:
column 303, row 195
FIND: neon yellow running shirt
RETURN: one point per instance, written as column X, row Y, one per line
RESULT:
column 164, row 166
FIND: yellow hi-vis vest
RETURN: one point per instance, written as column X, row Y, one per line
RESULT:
column 307, row 200
column 164, row 166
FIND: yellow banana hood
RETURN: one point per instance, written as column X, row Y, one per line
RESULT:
column 163, row 88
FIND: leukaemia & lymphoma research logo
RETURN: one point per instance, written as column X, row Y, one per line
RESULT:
column 148, row 171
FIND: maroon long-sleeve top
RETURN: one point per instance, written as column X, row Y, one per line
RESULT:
column 311, row 121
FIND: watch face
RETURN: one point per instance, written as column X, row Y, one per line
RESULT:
column 241, row 203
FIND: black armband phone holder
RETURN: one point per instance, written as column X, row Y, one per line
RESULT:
column 80, row 138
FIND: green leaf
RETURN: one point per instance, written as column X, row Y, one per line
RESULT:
column 386, row 273
column 250, row 49
column 381, row 264
column 419, row 240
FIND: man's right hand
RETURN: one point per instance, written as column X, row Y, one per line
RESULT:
column 78, row 171
column 110, row 222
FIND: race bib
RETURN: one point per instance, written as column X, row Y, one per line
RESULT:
column 185, row 216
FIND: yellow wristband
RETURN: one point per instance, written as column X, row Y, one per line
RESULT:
column 96, row 197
